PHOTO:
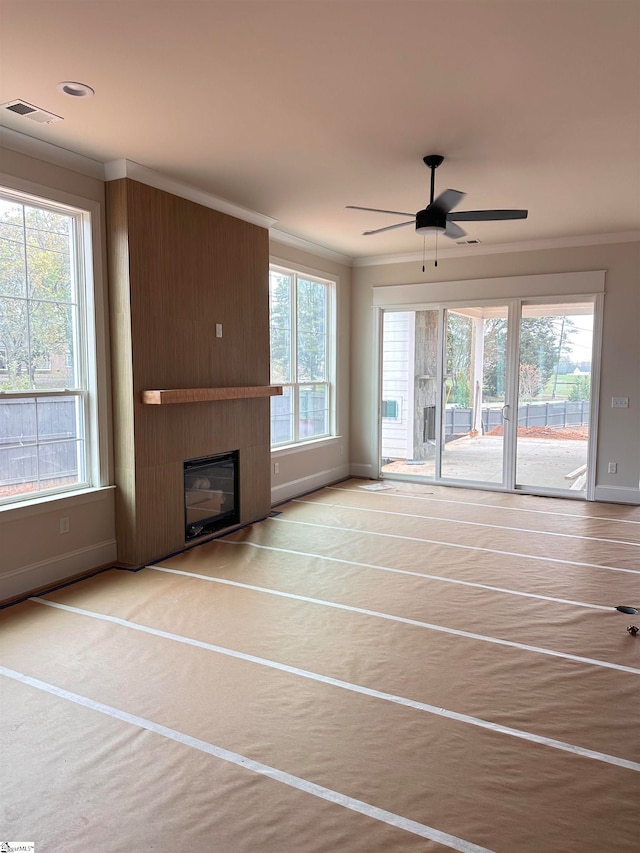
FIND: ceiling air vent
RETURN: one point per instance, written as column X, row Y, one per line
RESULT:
column 22, row 108
column 468, row 242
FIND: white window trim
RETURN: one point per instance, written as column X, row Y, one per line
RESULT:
column 95, row 348
column 289, row 268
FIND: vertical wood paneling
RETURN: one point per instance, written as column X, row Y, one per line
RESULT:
column 255, row 480
column 177, row 269
column 121, row 360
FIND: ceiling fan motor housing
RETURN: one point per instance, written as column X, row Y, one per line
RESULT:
column 430, row 219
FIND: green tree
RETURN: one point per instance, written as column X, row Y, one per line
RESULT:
column 580, row 390
column 459, row 341
column 543, row 342
column 312, row 331
column 461, row 394
column 35, row 294
column 280, row 326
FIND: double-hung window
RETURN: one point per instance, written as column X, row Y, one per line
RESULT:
column 47, row 373
column 302, row 326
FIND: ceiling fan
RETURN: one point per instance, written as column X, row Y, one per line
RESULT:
column 437, row 216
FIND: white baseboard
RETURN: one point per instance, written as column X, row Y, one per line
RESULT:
column 50, row 572
column 361, row 469
column 617, row 494
column 294, row 488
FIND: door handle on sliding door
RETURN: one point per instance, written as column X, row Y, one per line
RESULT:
column 505, row 412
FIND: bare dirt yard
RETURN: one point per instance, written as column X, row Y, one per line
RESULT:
column 558, row 434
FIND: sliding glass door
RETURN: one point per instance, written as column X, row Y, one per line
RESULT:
column 474, row 394
column 494, row 395
column 554, row 396
column 444, row 394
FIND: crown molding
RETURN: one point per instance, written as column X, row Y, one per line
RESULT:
column 307, row 246
column 50, row 153
column 117, row 169
column 502, row 248
column 55, row 154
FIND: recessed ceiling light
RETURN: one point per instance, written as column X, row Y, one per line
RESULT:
column 76, row 90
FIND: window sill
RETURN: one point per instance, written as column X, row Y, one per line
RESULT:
column 51, row 503
column 301, row 446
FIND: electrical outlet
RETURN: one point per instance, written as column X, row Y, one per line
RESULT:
column 276, row 467
column 64, row 525
column 218, row 330
column 613, row 468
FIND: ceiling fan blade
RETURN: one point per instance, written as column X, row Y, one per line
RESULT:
column 487, row 215
column 454, row 231
column 377, row 210
column 389, row 228
column 447, row 200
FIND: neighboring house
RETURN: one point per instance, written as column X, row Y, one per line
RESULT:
column 397, row 405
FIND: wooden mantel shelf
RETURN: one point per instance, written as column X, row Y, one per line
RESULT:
column 163, row 397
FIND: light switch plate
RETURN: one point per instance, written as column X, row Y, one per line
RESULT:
column 619, row 402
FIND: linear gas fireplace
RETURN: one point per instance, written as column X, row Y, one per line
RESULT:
column 211, row 494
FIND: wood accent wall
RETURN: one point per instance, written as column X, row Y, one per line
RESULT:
column 175, row 270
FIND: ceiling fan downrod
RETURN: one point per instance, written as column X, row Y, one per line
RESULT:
column 433, row 161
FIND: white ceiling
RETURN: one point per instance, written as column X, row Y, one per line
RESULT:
column 296, row 108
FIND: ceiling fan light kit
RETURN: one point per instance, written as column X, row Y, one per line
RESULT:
column 430, row 222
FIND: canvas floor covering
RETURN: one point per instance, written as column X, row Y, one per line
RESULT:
column 418, row 669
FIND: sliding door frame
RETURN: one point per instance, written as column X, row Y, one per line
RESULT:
column 514, row 309
column 597, row 299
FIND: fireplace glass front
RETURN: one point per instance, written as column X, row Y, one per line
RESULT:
column 211, row 494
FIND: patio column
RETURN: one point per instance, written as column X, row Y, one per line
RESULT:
column 477, row 369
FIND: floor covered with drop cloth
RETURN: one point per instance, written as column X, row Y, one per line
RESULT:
column 418, row 668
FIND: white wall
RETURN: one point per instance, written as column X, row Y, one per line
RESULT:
column 33, row 552
column 618, row 429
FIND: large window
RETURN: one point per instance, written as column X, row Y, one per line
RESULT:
column 46, row 380
column 302, row 321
